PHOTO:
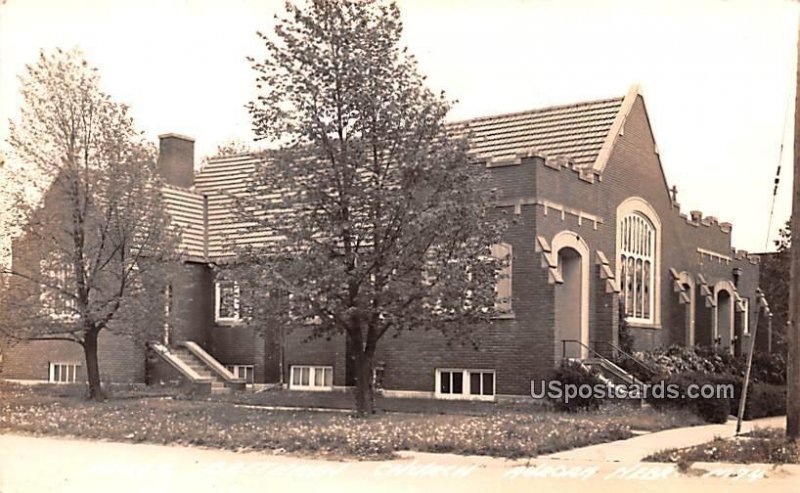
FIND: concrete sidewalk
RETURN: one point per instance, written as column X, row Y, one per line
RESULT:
column 43, row 464
column 637, row 448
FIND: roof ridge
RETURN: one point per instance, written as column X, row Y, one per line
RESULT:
column 240, row 156
column 217, row 164
column 189, row 190
column 536, row 110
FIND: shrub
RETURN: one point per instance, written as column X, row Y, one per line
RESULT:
column 685, row 366
column 624, row 337
column 676, row 359
column 574, row 373
column 714, row 409
column 640, row 370
column 769, row 368
column 764, row 400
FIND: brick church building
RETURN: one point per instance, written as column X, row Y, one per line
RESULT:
column 597, row 225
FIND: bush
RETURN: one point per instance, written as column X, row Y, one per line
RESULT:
column 644, row 374
column 764, row 400
column 676, row 359
column 624, row 335
column 672, row 392
column 574, row 373
column 684, row 366
column 767, row 367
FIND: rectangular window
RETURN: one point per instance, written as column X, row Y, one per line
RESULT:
column 242, row 371
column 56, row 286
column 465, row 384
column 63, row 372
column 227, row 301
column 502, row 251
column 746, row 316
column 167, row 312
column 311, row 378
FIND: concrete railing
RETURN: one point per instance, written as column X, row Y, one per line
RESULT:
column 214, row 365
column 197, row 383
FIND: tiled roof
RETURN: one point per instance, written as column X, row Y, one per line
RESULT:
column 220, row 180
column 186, row 210
column 575, row 131
column 582, row 132
column 227, row 174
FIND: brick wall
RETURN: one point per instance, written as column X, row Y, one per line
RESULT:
column 518, row 348
column 521, row 348
column 192, row 304
column 120, row 359
column 319, row 351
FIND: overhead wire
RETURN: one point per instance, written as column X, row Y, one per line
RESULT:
column 777, row 180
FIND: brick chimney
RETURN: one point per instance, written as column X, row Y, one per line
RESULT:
column 176, row 159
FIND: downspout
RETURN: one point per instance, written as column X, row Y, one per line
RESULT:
column 205, row 227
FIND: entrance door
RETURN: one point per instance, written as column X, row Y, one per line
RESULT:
column 725, row 319
column 739, row 320
column 569, row 306
column 689, row 315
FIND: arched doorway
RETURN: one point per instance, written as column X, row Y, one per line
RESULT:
column 738, row 331
column 571, row 296
column 724, row 319
column 568, row 299
column 687, row 283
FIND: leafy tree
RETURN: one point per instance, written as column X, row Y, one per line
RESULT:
column 775, row 268
column 95, row 240
column 232, row 147
column 382, row 224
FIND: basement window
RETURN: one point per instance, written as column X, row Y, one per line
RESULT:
column 242, row 371
column 311, row 378
column 465, row 384
column 63, row 372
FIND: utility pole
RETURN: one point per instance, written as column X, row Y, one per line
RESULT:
column 761, row 304
column 793, row 335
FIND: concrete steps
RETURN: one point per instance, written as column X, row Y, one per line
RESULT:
column 193, row 362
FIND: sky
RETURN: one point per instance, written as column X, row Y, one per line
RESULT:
column 718, row 76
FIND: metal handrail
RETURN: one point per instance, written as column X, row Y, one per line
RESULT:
column 592, row 352
column 630, row 357
column 581, row 344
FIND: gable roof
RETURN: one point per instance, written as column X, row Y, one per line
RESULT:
column 187, row 211
column 580, row 132
column 584, row 133
column 219, row 180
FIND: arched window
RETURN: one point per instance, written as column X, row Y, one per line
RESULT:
column 637, row 240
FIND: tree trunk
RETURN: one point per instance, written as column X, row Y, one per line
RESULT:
column 92, row 367
column 365, row 399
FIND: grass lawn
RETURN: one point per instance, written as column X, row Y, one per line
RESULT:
column 762, row 446
column 499, row 430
